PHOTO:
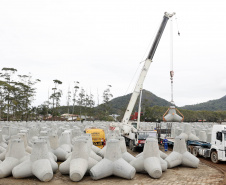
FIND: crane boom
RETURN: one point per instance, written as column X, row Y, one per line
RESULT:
column 147, row 63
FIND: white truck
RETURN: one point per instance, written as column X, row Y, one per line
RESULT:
column 134, row 136
column 216, row 149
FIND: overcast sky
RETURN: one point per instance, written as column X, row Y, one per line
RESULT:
column 102, row 42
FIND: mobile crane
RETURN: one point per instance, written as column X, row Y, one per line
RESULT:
column 133, row 135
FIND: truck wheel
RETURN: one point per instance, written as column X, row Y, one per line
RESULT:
column 214, row 157
column 131, row 147
column 190, row 149
column 195, row 152
column 130, row 144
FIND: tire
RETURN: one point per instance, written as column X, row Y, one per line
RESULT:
column 190, row 149
column 131, row 147
column 195, row 152
column 214, row 157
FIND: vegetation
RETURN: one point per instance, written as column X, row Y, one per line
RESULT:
column 212, row 105
column 17, row 93
column 155, row 113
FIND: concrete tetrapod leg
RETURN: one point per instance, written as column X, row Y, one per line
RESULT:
column 94, row 148
column 113, row 163
column 13, row 157
column 162, row 154
column 186, row 134
column 64, row 146
column 24, row 137
column 2, row 141
column 180, row 155
column 110, row 135
column 150, row 161
column 79, row 158
column 125, row 155
column 39, row 164
column 90, row 144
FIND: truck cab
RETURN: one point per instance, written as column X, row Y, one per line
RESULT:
column 137, row 139
column 218, row 143
column 216, row 149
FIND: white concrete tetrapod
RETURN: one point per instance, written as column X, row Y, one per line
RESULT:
column 110, row 135
column 64, row 146
column 150, row 161
column 202, row 136
column 65, row 141
column 15, row 155
column 33, row 131
column 24, row 137
column 4, row 153
column 2, row 149
column 40, row 164
column 76, row 132
column 2, row 141
column 125, row 155
column 186, row 134
column 51, row 154
column 79, row 162
column 180, row 155
column 113, row 163
column 89, row 143
column 172, row 115
column 6, row 133
column 53, row 140
column 94, row 148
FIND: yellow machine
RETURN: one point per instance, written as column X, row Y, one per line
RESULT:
column 98, row 136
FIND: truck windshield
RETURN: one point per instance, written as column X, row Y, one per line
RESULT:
column 134, row 125
column 143, row 135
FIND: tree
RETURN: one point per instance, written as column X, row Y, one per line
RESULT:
column 81, row 101
column 56, row 97
column 106, row 98
column 76, row 87
column 7, row 75
column 27, row 91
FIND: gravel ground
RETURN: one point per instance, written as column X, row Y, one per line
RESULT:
column 179, row 175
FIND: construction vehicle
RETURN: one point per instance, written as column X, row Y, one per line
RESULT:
column 215, row 150
column 98, row 136
column 133, row 135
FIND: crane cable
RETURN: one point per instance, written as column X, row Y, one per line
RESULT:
column 171, row 59
column 171, row 56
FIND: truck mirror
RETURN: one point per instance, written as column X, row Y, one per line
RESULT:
column 219, row 136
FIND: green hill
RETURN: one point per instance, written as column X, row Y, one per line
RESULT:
column 149, row 99
column 212, row 105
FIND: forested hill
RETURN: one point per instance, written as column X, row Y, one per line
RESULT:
column 148, row 100
column 212, row 105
